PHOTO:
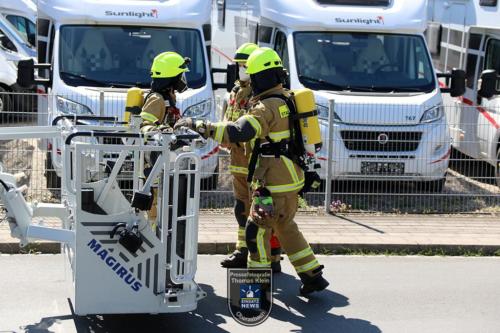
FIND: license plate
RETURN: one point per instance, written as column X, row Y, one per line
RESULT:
column 382, row 168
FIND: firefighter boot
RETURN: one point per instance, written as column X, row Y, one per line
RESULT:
column 312, row 283
column 275, row 264
column 238, row 259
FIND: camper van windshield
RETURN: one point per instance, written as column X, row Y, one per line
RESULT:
column 113, row 56
column 363, row 62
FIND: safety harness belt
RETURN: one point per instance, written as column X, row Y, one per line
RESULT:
column 295, row 150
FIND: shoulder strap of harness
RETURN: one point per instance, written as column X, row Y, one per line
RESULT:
column 253, row 160
column 296, row 149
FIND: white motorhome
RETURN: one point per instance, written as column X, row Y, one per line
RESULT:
column 466, row 34
column 22, row 15
column 98, row 49
column 371, row 58
column 13, row 47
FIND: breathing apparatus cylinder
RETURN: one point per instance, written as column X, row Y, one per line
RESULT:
column 135, row 101
column 308, row 120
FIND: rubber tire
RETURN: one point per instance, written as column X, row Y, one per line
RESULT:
column 497, row 169
column 53, row 181
column 433, row 186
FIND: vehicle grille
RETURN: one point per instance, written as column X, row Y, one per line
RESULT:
column 371, row 140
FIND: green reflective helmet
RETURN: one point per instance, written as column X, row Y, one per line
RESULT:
column 262, row 59
column 168, row 64
column 244, row 51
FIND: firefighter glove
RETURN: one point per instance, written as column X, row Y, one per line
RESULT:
column 165, row 129
column 184, row 122
column 199, row 126
column 262, row 204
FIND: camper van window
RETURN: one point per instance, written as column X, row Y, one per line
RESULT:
column 470, row 70
column 475, row 41
column 122, row 56
column 6, row 43
column 455, row 37
column 493, row 56
column 25, row 27
column 281, row 48
column 488, row 3
column 363, row 62
column 453, row 60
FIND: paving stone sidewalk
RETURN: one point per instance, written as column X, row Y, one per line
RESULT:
column 217, row 233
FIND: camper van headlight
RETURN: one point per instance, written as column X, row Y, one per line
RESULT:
column 323, row 113
column 199, row 110
column 433, row 114
column 67, row 106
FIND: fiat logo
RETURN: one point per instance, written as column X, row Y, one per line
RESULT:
column 383, row 138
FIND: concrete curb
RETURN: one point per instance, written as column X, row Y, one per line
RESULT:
column 319, row 248
column 40, row 247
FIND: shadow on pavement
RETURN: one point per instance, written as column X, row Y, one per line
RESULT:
column 205, row 319
column 312, row 314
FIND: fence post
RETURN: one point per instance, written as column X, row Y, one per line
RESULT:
column 329, row 160
column 101, row 103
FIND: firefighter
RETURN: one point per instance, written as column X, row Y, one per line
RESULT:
column 238, row 105
column 277, row 179
column 159, row 111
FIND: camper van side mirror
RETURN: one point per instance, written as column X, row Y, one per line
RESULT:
column 231, row 76
column 457, row 86
column 488, row 88
column 26, row 73
column 456, row 82
column 286, row 79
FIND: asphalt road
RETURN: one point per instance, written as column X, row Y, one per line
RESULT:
column 367, row 294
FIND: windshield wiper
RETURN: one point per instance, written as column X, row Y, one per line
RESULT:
column 360, row 88
column 101, row 83
column 405, row 89
column 323, row 82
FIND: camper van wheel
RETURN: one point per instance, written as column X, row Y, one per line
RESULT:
column 53, row 181
column 497, row 168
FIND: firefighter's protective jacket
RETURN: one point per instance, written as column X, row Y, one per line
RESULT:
column 267, row 118
column 237, row 107
column 158, row 113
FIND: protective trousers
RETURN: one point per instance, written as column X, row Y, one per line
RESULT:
column 241, row 212
column 241, row 206
column 258, row 234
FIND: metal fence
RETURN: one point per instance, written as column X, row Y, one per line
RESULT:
column 384, row 159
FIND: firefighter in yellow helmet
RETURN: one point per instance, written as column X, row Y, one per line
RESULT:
column 277, row 179
column 159, row 112
column 168, row 76
column 238, row 105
